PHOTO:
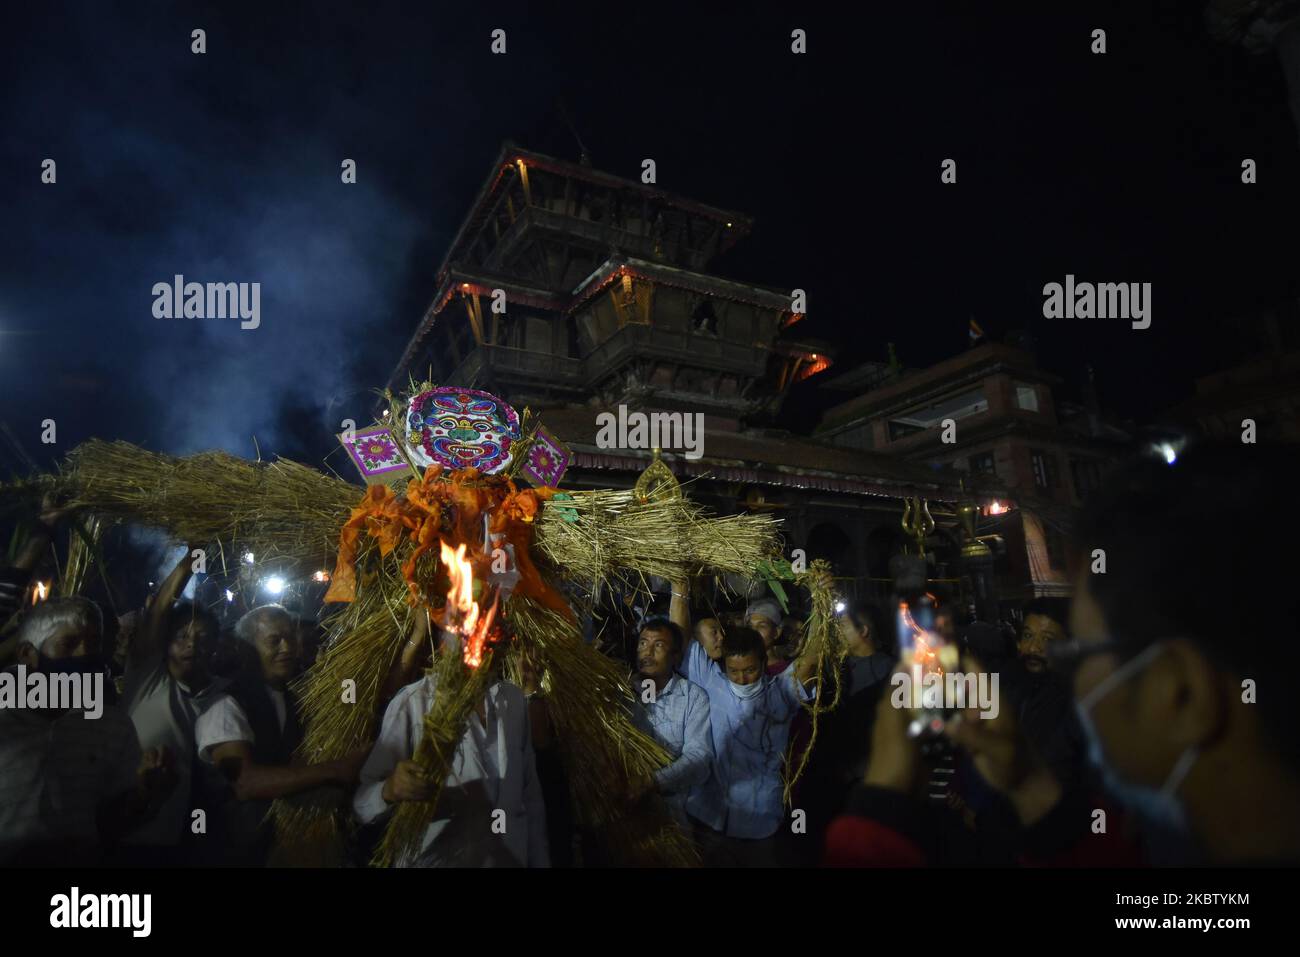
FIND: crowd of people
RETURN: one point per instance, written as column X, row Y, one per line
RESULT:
column 1144, row 722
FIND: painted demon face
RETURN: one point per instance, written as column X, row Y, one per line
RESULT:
column 460, row 428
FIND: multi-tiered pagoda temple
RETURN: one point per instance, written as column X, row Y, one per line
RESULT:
column 608, row 302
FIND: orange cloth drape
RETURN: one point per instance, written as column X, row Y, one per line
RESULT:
column 451, row 509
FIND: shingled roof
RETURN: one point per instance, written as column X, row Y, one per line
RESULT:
column 772, row 458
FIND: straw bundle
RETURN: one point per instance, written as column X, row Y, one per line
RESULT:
column 281, row 510
column 459, row 690
column 288, row 512
column 671, row 538
column 83, row 546
column 823, row 643
column 590, row 704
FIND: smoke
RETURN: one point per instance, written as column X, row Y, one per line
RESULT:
column 193, row 165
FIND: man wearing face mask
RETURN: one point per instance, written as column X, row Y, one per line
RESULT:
column 1180, row 667
column 74, row 779
column 1183, row 661
column 749, row 713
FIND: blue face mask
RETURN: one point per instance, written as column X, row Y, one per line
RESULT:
column 1160, row 806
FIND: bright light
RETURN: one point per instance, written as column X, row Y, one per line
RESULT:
column 274, row 585
column 40, row 592
column 230, row 596
column 386, row 411
column 839, row 607
column 1168, row 451
column 997, row 508
column 321, row 576
column 248, row 558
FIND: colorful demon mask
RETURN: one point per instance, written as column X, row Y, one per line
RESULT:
column 459, row 428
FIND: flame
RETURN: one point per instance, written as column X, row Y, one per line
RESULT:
column 924, row 660
column 40, row 592
column 463, row 615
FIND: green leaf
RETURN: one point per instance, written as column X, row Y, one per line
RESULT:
column 779, row 591
column 773, row 572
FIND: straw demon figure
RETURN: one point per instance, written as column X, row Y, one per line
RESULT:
column 421, row 542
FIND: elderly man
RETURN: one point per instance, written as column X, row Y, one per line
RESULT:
column 249, row 735
column 764, row 616
column 490, row 811
column 676, row 712
column 73, row 777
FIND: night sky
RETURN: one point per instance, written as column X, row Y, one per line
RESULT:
column 225, row 167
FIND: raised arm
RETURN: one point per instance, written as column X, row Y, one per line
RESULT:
column 42, row 531
column 679, row 607
column 805, row 666
column 406, row 666
column 15, row 578
column 149, row 638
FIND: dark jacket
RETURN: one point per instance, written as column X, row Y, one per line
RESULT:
column 243, row 835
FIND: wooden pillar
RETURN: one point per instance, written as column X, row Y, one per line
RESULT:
column 523, row 178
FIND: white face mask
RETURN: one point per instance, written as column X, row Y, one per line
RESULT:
column 745, row 691
column 1160, row 804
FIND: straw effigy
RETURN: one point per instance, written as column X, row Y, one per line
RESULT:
column 292, row 514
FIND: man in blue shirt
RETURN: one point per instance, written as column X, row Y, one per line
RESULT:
column 750, row 713
column 677, row 713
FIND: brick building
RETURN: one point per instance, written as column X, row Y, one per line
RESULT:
column 1008, row 426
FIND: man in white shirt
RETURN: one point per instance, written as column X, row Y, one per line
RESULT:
column 491, row 812
column 249, row 735
column 167, row 688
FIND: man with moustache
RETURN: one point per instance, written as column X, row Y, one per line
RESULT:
column 677, row 712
